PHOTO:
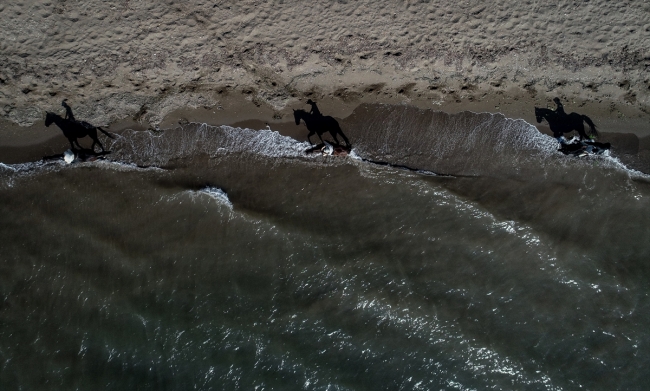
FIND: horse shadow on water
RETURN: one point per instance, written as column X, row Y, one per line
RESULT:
column 73, row 130
column 560, row 122
column 318, row 124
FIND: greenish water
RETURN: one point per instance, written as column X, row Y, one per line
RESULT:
column 230, row 260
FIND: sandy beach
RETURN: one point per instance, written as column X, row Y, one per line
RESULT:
column 138, row 65
column 146, row 61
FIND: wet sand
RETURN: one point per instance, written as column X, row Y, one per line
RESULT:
column 629, row 136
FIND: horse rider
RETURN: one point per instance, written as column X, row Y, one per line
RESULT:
column 560, row 115
column 314, row 109
column 68, row 111
column 559, row 111
column 70, row 116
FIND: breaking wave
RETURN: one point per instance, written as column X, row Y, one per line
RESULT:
column 471, row 144
column 147, row 148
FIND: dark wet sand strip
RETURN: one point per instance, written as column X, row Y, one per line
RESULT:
column 26, row 144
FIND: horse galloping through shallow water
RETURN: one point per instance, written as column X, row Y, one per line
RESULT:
column 560, row 123
column 320, row 124
column 74, row 130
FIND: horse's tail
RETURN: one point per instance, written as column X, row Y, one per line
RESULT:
column 106, row 133
column 592, row 127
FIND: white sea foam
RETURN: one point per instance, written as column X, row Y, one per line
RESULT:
column 353, row 155
column 218, row 195
column 121, row 166
column 7, row 167
column 9, row 173
column 151, row 148
column 211, row 193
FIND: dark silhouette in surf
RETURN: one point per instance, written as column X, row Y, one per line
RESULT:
column 560, row 122
column 74, row 130
column 584, row 148
column 318, row 124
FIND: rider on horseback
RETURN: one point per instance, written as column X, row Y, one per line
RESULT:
column 68, row 110
column 560, row 109
column 314, row 109
column 560, row 115
column 560, row 122
column 70, row 116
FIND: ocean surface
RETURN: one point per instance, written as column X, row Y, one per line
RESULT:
column 220, row 258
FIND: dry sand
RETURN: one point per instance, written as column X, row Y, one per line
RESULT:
column 147, row 62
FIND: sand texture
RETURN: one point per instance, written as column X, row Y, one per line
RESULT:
column 144, row 59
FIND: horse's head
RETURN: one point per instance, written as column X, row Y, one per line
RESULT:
column 49, row 118
column 538, row 115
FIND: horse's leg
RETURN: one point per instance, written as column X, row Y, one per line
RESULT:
column 333, row 134
column 311, row 133
column 100, row 145
column 95, row 141
column 71, row 143
column 581, row 131
column 321, row 138
column 92, row 146
column 347, row 142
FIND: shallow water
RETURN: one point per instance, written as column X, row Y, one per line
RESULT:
column 222, row 258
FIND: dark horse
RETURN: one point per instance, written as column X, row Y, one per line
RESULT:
column 76, row 129
column 564, row 123
column 319, row 124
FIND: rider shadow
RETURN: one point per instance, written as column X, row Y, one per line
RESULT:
column 73, row 130
column 318, row 124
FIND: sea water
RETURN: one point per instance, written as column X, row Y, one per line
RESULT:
column 214, row 258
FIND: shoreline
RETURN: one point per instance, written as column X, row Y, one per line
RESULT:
column 629, row 135
column 249, row 63
column 234, row 109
